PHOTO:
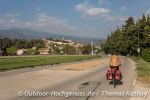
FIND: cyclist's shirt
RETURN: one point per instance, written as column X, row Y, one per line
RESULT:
column 114, row 60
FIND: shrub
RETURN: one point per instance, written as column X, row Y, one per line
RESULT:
column 146, row 55
column 36, row 52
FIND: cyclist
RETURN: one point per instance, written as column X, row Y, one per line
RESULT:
column 114, row 62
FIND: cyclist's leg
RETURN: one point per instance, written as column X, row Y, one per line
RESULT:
column 111, row 67
column 117, row 67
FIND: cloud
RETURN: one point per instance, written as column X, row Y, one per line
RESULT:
column 123, row 8
column 13, row 20
column 147, row 12
column 121, row 23
column 107, row 3
column 96, row 13
column 91, row 29
column 42, row 23
column 100, row 2
column 87, row 27
column 91, row 13
column 38, row 9
column 117, row 17
column 82, row 7
column 12, row 15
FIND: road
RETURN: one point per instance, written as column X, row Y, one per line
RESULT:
column 95, row 81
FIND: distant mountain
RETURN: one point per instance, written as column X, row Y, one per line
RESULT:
column 16, row 33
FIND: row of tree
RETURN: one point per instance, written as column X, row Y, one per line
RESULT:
column 86, row 49
column 20, row 43
column 125, row 40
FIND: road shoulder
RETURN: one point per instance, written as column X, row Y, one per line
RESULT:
column 141, row 87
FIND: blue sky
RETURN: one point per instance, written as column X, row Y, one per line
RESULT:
column 85, row 18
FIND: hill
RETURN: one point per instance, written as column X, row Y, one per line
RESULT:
column 16, row 33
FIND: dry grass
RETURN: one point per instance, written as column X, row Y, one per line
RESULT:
column 144, row 80
column 81, row 66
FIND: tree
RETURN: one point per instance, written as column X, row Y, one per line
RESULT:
column 65, row 49
column 133, row 39
column 107, row 44
column 102, row 46
column 72, row 50
column 148, row 22
column 57, row 50
column 129, row 22
column 11, row 50
column 142, row 25
column 86, row 49
column 146, row 40
column 30, row 50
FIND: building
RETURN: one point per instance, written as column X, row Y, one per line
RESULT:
column 79, row 45
column 50, row 42
column 68, row 40
column 55, row 46
column 99, row 47
column 34, row 48
column 62, row 38
column 65, row 43
column 21, row 51
column 60, row 47
column 47, row 46
column 46, row 51
column 59, row 43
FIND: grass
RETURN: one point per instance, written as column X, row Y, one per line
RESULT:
column 23, row 62
column 143, row 69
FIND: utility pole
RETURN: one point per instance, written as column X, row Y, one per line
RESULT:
column 0, row 49
column 97, row 44
column 138, row 41
column 52, row 49
column 100, row 44
column 92, row 46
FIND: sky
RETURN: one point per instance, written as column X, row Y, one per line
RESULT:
column 84, row 18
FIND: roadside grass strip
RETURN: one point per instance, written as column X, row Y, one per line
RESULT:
column 81, row 66
column 143, row 69
column 23, row 62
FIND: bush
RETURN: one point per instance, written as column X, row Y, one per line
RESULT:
column 36, row 52
column 146, row 55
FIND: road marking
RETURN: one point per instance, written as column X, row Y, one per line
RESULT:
column 90, row 71
column 100, row 65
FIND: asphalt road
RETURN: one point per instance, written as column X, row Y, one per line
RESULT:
column 95, row 81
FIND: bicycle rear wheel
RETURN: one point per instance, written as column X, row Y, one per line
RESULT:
column 114, row 81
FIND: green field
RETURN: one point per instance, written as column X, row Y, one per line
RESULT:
column 143, row 69
column 22, row 62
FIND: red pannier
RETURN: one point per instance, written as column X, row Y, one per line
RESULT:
column 109, row 75
column 118, row 75
column 113, row 69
